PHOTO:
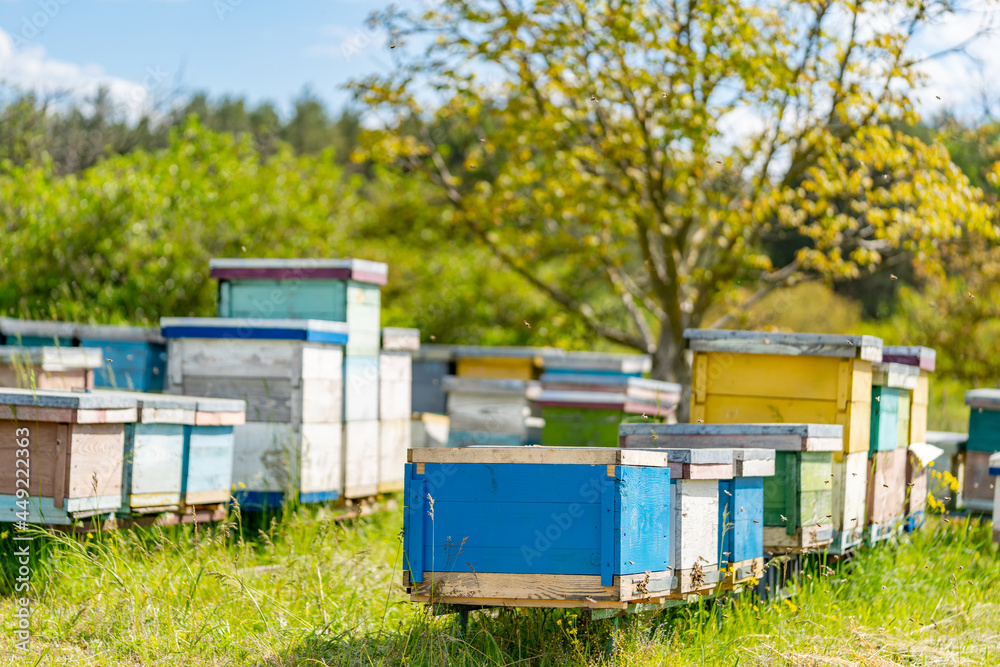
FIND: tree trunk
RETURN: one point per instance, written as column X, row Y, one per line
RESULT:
column 670, row 363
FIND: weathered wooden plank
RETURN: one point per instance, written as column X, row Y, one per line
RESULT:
column 886, row 486
column 600, row 400
column 395, row 338
column 64, row 399
column 850, row 490
column 266, row 457
column 95, row 460
column 240, row 329
column 267, row 399
column 429, row 430
column 207, row 474
column 899, row 376
column 304, row 269
column 543, row 455
column 361, row 458
column 695, row 540
column 643, row 524
column 28, row 377
column 784, row 437
column 234, row 358
column 457, row 438
column 15, row 329
column 868, row 348
column 924, row 358
column 322, row 458
column 493, row 413
column 582, row 362
column 153, row 463
column 361, row 388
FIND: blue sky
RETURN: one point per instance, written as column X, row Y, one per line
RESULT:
column 261, row 50
column 142, row 49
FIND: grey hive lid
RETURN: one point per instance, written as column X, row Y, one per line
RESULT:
column 297, row 263
column 867, row 348
column 40, row 328
column 584, row 361
column 986, row 399
column 48, row 398
column 150, row 401
column 892, row 374
column 714, row 456
column 52, row 358
column 460, row 384
column 801, row 430
column 397, row 338
column 116, row 332
column 206, row 404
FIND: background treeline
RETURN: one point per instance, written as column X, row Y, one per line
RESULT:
column 108, row 220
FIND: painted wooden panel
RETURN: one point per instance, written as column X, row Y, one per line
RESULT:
column 273, row 359
column 498, row 368
column 47, row 443
column 741, row 519
column 361, row 388
column 695, row 521
column 916, row 482
column 598, row 362
column 26, row 377
column 133, row 365
column 287, row 299
column 361, row 458
column 95, row 460
column 208, row 464
column 239, row 329
column 297, row 269
column 781, row 437
column 885, row 418
column 394, row 440
column 429, row 430
column 266, row 457
column 428, row 390
column 918, row 409
column 154, row 457
column 536, row 519
column 322, row 401
column 903, row 421
column 978, row 490
column 913, row 355
column 984, row 430
column 322, row 460
column 850, row 490
column 396, row 384
column 396, row 338
column 267, row 399
column 580, row 427
column 364, row 308
column 484, row 412
column 886, row 487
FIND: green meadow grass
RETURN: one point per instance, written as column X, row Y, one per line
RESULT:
column 303, row 589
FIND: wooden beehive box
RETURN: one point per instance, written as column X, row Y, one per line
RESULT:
column 984, row 439
column 762, row 377
column 995, row 473
column 152, row 474
column 431, row 363
column 537, row 527
column 741, row 515
column 597, row 363
column 583, row 409
column 924, row 359
column 133, row 357
column 798, row 500
column 35, row 333
column 290, row 373
column 886, row 503
column 76, row 445
column 341, row 290
column 491, row 412
column 48, row 367
column 500, row 363
column 395, row 405
column 209, row 444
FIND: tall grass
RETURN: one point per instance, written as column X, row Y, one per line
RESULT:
column 304, row 589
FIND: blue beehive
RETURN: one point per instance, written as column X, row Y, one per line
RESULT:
column 535, row 526
column 134, row 357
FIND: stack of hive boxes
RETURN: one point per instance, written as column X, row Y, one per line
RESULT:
column 395, row 404
column 984, row 440
column 289, row 372
column 920, row 454
column 586, row 395
column 763, row 377
column 130, row 357
column 888, row 447
column 492, row 397
column 48, row 367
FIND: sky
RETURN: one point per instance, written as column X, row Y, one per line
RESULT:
column 144, row 50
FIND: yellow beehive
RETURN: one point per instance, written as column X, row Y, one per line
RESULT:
column 761, row 377
column 500, row 363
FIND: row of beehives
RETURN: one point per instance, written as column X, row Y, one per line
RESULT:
column 506, row 396
column 678, row 511
column 71, row 455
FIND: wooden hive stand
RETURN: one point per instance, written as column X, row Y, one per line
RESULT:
column 797, row 500
column 764, row 377
column 585, row 528
column 290, row 374
column 76, row 444
column 984, row 440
